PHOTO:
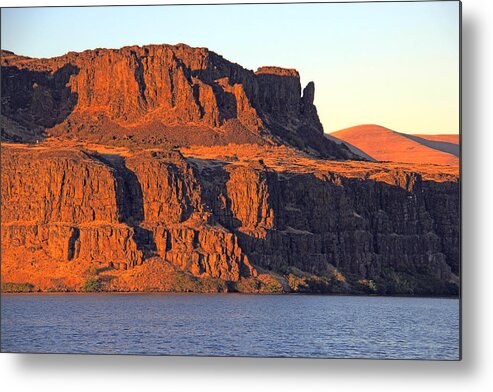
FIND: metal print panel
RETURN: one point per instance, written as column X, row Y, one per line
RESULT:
column 271, row 180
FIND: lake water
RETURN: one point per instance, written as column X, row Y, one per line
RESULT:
column 232, row 325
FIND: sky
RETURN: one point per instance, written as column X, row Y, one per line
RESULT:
column 392, row 64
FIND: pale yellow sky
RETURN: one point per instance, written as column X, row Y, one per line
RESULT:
column 395, row 64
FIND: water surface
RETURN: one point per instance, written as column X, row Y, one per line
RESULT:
column 232, row 325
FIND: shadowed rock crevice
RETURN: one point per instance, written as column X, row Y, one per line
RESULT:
column 213, row 179
column 130, row 202
column 35, row 100
column 139, row 77
column 227, row 103
column 196, row 97
column 72, row 243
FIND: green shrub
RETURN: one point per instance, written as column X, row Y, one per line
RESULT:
column 269, row 284
column 426, row 285
column 185, row 283
column 395, row 283
column 11, row 287
column 314, row 284
column 262, row 284
column 92, row 285
column 297, row 284
column 248, row 285
column 213, row 285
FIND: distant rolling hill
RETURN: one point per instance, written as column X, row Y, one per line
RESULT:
column 384, row 144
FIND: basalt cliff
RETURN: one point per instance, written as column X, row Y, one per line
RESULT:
column 159, row 95
column 168, row 168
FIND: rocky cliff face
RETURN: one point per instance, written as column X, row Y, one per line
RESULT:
column 75, row 206
column 169, row 168
column 247, row 226
column 159, row 95
column 364, row 228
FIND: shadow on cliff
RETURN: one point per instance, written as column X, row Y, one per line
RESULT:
column 306, row 206
column 34, row 101
column 276, row 95
column 258, row 89
column 130, row 202
column 226, row 101
column 213, row 180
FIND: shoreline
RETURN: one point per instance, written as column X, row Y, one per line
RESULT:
column 102, row 293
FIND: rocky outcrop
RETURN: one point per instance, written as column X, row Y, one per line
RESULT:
column 110, row 243
column 159, row 95
column 137, row 216
column 46, row 186
column 78, row 206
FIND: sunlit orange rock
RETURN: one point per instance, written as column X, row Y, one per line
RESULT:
column 159, row 94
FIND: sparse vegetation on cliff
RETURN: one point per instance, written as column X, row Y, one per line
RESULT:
column 10, row 287
column 263, row 284
column 91, row 285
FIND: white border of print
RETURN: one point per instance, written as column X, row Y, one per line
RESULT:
column 124, row 373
